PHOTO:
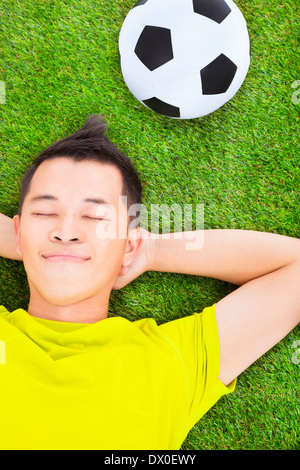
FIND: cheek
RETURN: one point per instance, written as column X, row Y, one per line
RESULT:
column 113, row 229
column 30, row 239
column 110, row 253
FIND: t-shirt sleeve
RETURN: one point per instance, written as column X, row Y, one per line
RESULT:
column 196, row 340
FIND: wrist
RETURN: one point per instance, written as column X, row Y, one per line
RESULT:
column 151, row 245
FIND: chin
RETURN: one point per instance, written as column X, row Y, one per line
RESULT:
column 57, row 296
column 64, row 299
column 65, row 302
column 62, row 294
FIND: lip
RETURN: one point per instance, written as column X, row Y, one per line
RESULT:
column 65, row 257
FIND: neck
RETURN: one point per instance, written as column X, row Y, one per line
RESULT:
column 89, row 310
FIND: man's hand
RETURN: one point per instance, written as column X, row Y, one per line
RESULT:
column 8, row 239
column 142, row 262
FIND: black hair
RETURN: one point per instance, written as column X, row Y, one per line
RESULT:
column 89, row 143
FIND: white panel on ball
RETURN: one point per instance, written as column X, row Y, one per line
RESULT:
column 184, row 58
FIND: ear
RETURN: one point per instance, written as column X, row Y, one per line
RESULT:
column 133, row 244
column 16, row 221
column 133, row 261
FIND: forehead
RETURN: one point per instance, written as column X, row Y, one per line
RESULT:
column 66, row 178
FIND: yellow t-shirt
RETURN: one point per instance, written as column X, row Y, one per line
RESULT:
column 111, row 385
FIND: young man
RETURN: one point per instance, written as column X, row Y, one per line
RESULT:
column 72, row 378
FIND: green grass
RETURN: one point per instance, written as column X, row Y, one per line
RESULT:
column 59, row 62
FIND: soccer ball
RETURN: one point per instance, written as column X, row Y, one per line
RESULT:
column 184, row 58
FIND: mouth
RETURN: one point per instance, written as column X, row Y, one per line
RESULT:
column 65, row 257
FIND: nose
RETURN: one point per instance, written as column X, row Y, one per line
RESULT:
column 57, row 238
column 66, row 231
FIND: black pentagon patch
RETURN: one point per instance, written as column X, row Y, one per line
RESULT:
column 216, row 10
column 154, row 47
column 162, row 108
column 140, row 2
column 217, row 76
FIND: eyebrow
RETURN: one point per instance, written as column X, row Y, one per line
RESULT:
column 98, row 200
column 43, row 197
column 49, row 197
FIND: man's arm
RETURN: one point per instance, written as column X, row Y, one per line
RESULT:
column 235, row 256
column 257, row 315
column 7, row 239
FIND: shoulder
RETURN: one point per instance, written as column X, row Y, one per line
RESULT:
column 3, row 311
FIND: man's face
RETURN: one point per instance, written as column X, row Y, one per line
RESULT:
column 69, row 230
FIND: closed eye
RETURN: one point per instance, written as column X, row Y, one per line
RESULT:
column 87, row 217
column 93, row 218
column 40, row 214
